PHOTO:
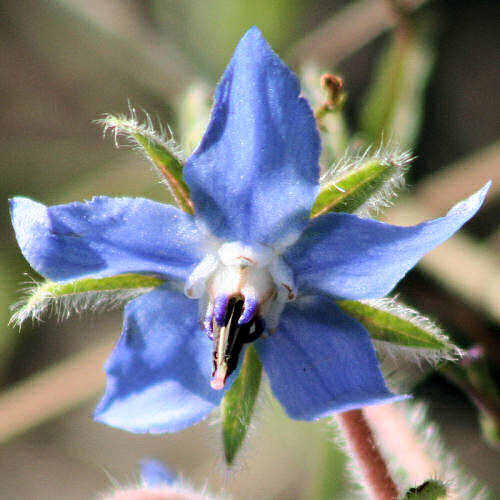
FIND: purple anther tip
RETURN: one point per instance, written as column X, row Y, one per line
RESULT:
column 220, row 309
column 249, row 310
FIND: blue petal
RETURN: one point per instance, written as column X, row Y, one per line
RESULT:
column 321, row 361
column 254, row 176
column 106, row 236
column 154, row 473
column 159, row 373
column 351, row 258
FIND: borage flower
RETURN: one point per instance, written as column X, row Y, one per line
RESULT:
column 249, row 262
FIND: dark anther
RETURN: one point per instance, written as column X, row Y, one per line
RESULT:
column 231, row 337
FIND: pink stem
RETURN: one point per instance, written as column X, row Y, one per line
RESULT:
column 362, row 446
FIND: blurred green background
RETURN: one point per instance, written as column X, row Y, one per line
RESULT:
column 65, row 63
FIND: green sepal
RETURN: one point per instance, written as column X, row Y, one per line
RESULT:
column 356, row 186
column 80, row 295
column 159, row 150
column 431, row 489
column 400, row 326
column 238, row 404
column 394, row 103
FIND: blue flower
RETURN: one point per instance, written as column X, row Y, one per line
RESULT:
column 154, row 473
column 250, row 261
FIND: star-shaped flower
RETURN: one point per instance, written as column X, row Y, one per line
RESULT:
column 249, row 261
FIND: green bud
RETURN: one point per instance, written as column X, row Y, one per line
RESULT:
column 365, row 183
column 432, row 489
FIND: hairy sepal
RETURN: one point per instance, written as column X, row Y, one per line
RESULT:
column 161, row 150
column 400, row 331
column 239, row 403
column 96, row 295
column 431, row 489
column 364, row 184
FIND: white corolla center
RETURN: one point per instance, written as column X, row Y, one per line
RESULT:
column 255, row 273
column 242, row 290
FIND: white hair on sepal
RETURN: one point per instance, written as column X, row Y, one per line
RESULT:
column 125, row 126
column 40, row 301
column 449, row 352
column 415, row 355
column 403, row 365
column 403, row 368
column 388, row 154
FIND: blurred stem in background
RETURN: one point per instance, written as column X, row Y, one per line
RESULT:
column 473, row 376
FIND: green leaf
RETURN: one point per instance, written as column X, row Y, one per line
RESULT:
column 367, row 182
column 80, row 295
column 390, row 322
column 393, row 106
column 238, row 404
column 162, row 152
column 432, row 489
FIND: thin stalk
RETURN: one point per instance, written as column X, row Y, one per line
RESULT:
column 362, row 446
column 54, row 391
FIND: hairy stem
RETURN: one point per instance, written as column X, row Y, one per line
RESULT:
column 362, row 446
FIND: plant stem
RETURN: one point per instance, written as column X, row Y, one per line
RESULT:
column 362, row 446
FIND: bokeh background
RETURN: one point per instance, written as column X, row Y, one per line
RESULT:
column 65, row 63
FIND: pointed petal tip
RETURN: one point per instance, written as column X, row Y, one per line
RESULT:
column 24, row 203
column 252, row 32
column 365, row 268
column 261, row 148
column 252, row 36
column 254, row 46
column 484, row 190
column 474, row 201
